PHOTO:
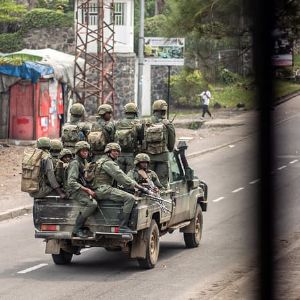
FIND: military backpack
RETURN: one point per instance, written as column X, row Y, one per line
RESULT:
column 31, row 169
column 71, row 134
column 126, row 137
column 155, row 138
column 98, row 138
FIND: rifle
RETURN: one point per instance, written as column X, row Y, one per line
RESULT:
column 158, row 200
column 174, row 118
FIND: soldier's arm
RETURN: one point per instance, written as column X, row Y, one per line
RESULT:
column 49, row 171
column 73, row 175
column 117, row 174
column 171, row 136
column 111, row 130
column 155, row 180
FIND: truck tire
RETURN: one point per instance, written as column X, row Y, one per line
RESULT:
column 192, row 240
column 152, row 248
column 63, row 258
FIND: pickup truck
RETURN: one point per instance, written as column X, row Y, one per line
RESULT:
column 178, row 207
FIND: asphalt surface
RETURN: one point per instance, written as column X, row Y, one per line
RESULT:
column 226, row 255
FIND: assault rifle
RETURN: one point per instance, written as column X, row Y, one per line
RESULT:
column 160, row 201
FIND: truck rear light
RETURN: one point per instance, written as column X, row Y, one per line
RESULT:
column 49, row 227
column 115, row 229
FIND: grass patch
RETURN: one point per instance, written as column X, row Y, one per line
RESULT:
column 229, row 96
column 297, row 61
column 285, row 87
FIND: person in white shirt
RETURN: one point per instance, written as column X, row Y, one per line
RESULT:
column 205, row 96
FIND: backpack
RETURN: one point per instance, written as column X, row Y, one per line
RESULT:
column 126, row 137
column 71, row 134
column 31, row 169
column 155, row 138
column 97, row 138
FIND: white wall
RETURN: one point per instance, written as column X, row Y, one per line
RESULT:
column 123, row 33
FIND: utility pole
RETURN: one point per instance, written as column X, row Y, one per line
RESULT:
column 141, row 56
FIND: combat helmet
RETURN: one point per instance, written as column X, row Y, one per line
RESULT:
column 56, row 145
column 130, row 108
column 160, row 105
column 141, row 157
column 104, row 108
column 64, row 152
column 112, row 146
column 81, row 145
column 77, row 110
column 43, row 143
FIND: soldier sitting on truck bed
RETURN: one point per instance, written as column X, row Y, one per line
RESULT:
column 143, row 175
column 61, row 167
column 77, row 189
column 56, row 147
column 47, row 180
column 106, row 176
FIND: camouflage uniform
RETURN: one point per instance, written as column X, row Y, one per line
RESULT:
column 133, row 125
column 61, row 169
column 76, row 185
column 77, row 112
column 56, row 147
column 149, row 175
column 108, row 128
column 107, row 174
column 160, row 162
column 48, row 182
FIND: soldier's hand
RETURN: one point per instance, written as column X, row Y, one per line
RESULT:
column 91, row 193
column 62, row 195
column 141, row 188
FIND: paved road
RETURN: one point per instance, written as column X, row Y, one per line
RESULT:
column 227, row 251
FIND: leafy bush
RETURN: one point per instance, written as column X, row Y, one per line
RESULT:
column 11, row 42
column 45, row 18
column 186, row 87
column 53, row 4
column 154, row 26
column 227, row 77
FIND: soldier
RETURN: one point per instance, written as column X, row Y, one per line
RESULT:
column 56, row 147
column 159, row 140
column 75, row 130
column 129, row 136
column 143, row 175
column 77, row 189
column 47, row 182
column 107, row 174
column 102, row 132
column 61, row 169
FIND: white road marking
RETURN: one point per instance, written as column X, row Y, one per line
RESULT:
column 218, row 199
column 282, row 167
column 293, row 161
column 237, row 190
column 32, row 268
column 254, row 181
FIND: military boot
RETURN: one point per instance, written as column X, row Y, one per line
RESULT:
column 77, row 230
column 124, row 218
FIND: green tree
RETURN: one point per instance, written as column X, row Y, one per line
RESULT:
column 11, row 15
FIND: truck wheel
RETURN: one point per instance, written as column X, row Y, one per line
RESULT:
column 192, row 240
column 63, row 258
column 152, row 249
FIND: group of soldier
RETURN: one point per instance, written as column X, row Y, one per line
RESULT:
column 87, row 164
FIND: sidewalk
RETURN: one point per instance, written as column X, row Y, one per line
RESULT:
column 226, row 128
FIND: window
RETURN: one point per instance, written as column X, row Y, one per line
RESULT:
column 93, row 15
column 119, row 13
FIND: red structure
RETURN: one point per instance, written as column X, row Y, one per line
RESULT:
column 95, row 26
column 35, row 110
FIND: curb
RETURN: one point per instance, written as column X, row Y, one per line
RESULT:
column 195, row 154
column 16, row 212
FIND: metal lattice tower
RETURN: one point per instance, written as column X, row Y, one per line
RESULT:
column 94, row 27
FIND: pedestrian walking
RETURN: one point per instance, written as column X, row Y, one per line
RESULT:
column 205, row 97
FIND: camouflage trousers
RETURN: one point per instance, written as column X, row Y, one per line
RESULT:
column 125, row 161
column 161, row 168
column 108, row 192
column 88, row 204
